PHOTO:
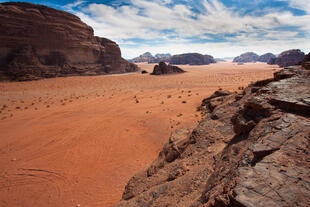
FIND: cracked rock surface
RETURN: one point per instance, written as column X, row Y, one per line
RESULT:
column 251, row 149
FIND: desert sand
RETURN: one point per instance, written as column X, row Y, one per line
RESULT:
column 78, row 140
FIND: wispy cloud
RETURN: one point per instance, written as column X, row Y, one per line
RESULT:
column 165, row 24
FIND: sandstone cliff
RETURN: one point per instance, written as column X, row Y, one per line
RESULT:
column 42, row 42
column 251, row 149
column 288, row 58
column 191, row 59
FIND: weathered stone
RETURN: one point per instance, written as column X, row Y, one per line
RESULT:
column 255, row 153
column 42, row 42
column 164, row 69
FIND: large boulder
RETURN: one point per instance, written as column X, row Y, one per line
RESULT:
column 266, row 57
column 163, row 69
column 246, row 57
column 42, row 42
column 191, row 59
column 288, row 58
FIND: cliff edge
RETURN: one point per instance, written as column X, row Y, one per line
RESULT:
column 251, row 149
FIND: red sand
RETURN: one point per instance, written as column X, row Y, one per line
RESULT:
column 78, row 140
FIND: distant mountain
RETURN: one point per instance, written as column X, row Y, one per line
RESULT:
column 161, row 58
column 162, row 55
column 191, row 59
column 246, row 57
column 266, row 57
column 146, row 57
column 149, row 58
column 220, row 60
column 288, row 58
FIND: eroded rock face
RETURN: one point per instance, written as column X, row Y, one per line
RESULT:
column 191, row 59
column 251, row 149
column 288, row 58
column 246, row 57
column 42, row 42
column 164, row 69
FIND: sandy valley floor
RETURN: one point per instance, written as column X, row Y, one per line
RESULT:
column 78, row 140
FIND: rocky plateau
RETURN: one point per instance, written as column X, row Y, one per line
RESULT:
column 41, row 42
column 191, row 59
column 250, row 149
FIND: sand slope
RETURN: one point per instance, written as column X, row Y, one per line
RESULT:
column 77, row 140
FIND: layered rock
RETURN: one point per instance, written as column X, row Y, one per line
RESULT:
column 288, row 58
column 251, row 149
column 246, row 58
column 191, row 59
column 163, row 69
column 42, row 42
column 266, row 57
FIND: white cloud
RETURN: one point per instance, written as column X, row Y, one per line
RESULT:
column 300, row 4
column 150, row 20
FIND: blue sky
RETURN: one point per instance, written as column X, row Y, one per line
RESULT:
column 222, row 28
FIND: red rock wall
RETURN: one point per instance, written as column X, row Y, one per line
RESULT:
column 60, row 41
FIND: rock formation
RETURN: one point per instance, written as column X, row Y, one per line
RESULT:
column 145, row 57
column 251, row 149
column 161, row 58
column 266, row 57
column 288, row 58
column 149, row 58
column 306, row 62
column 42, row 42
column 163, row 69
column 191, row 59
column 246, row 57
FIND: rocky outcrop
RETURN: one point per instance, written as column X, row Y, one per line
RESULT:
column 246, row 58
column 306, row 62
column 251, row 149
column 163, row 69
column 266, row 57
column 42, row 42
column 191, row 59
column 288, row 58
